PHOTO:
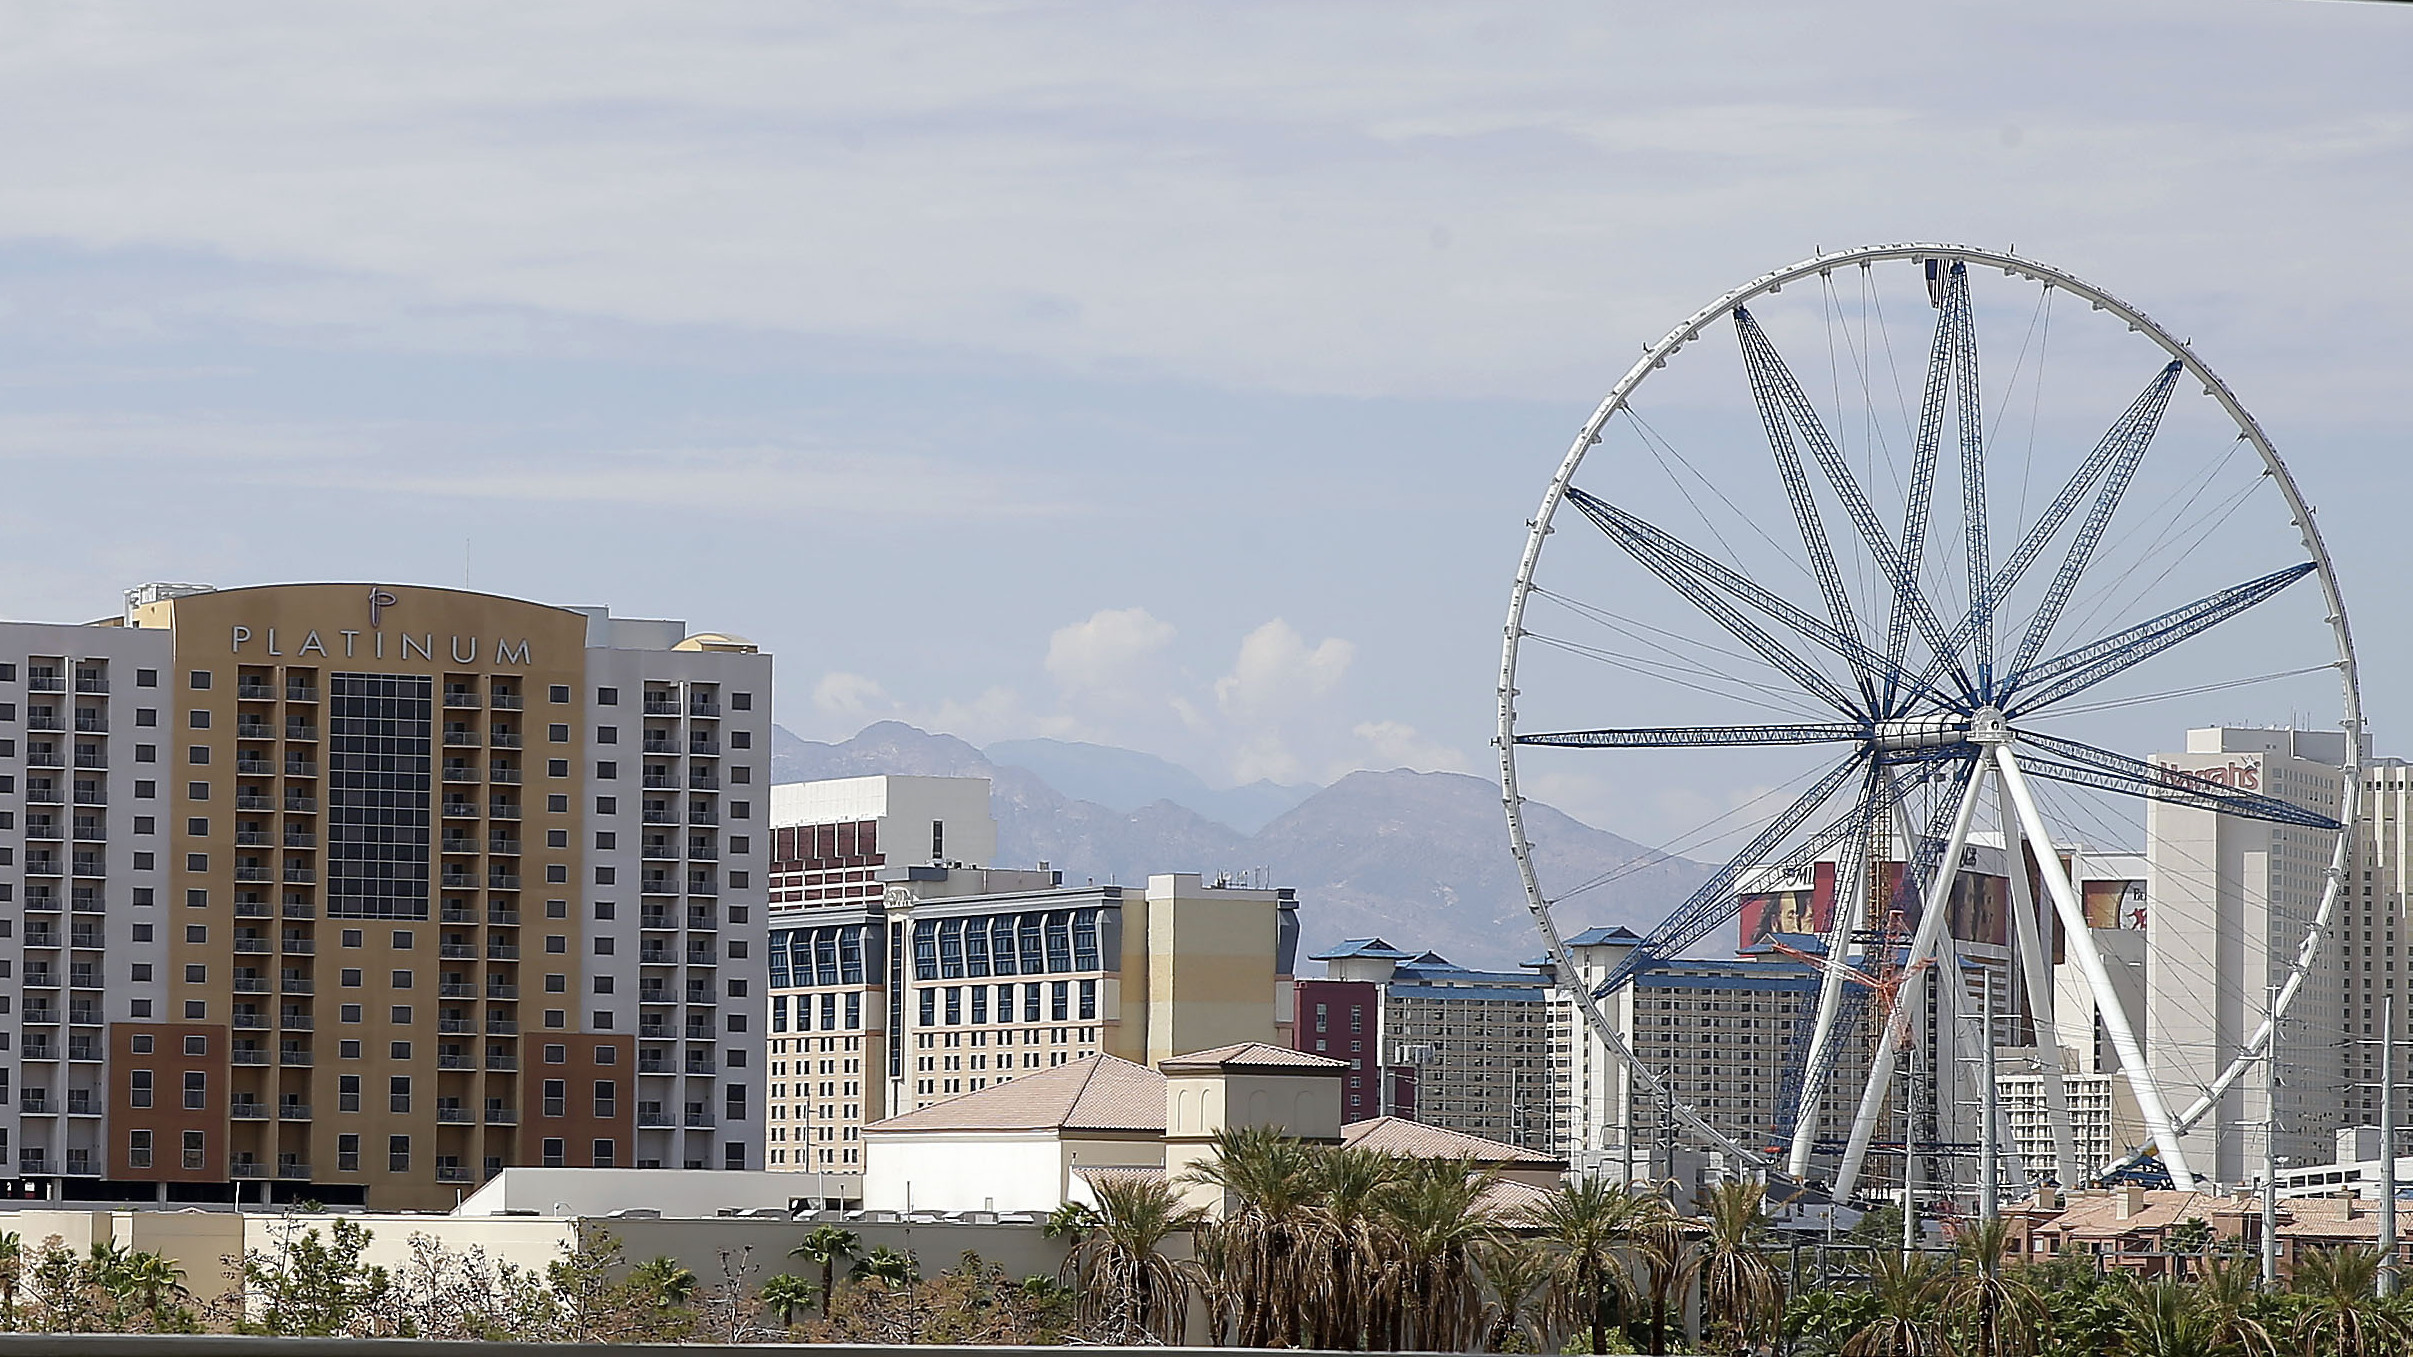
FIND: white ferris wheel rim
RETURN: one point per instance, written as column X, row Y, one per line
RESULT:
column 2301, row 512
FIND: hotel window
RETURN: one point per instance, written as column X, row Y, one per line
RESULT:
column 605, row 1152
column 138, row 1150
column 347, row 1154
column 398, row 1154
column 195, row 1147
column 140, row 1093
column 196, row 1090
column 1059, row 1001
column 379, row 777
column 1089, row 999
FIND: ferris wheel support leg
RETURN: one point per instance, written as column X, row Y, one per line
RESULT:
column 1849, row 905
column 2098, row 979
column 1897, row 1022
column 2033, row 941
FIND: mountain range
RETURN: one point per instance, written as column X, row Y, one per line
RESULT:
column 1419, row 858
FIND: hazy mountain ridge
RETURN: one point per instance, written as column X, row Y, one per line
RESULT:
column 1420, row 858
column 1126, row 779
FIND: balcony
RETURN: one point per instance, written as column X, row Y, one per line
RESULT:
column 656, row 956
column 455, row 1026
column 87, row 938
column 501, row 1062
column 301, row 767
column 43, row 828
column 294, row 1173
column 460, row 772
column 253, row 801
column 38, row 757
column 500, row 738
column 254, row 728
column 88, row 794
column 44, row 1016
column 664, row 746
column 300, row 838
column 455, row 1062
column 506, row 702
column 301, row 876
column 654, row 1066
column 502, row 774
column 461, row 699
column 295, row 909
column 456, row 990
column 36, row 1049
column 91, row 725
column 301, row 803
column 458, row 951
column 502, row 917
column 502, row 881
column 293, row 1111
column 705, row 707
column 250, row 1020
column 246, row 1168
column 703, row 852
column 656, row 1119
column 252, row 909
column 656, row 918
column 701, row 1120
column 249, row 1111
column 702, row 815
column 249, row 838
column 254, row 767
column 661, row 704
column 300, row 947
column 249, row 1057
column 295, row 1059
column 460, row 739
column 254, row 690
column 702, row 956
column 502, row 810
column 296, row 1022
column 505, row 845
column 243, row 873
column 42, row 791
column 502, row 1116
column 502, row 951
column 294, row 984
column 502, row 991
column 457, row 881
column 91, row 682
column 460, row 810
column 451, row 1173
column 83, row 1048
column 301, row 692
column 301, row 731
column 43, row 865
column 460, row 844
column 655, row 850
column 454, row 1116
column 660, row 781
column 710, row 749
column 41, row 937
column 502, row 1027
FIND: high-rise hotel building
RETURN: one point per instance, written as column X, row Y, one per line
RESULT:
column 360, row 893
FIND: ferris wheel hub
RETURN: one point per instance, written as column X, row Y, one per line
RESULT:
column 1925, row 732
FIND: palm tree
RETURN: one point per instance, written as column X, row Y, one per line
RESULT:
column 2230, row 1289
column 787, row 1295
column 1350, row 1185
column 2167, row 1319
column 1518, row 1275
column 884, row 1264
column 1270, row 1239
column 1905, row 1325
column 1743, row 1291
column 155, row 1284
column 2344, row 1317
column 1664, row 1244
column 1437, row 1227
column 826, row 1245
column 12, row 1274
column 1118, row 1272
column 1996, row 1315
column 667, row 1282
column 1585, row 1225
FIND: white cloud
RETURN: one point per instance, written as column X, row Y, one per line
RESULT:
column 1396, row 744
column 1277, row 672
column 1108, row 650
column 852, row 697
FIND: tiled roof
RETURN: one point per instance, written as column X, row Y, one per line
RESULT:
column 1603, row 937
column 2097, row 1215
column 1415, row 1140
column 1098, row 1093
column 1511, row 1201
column 1253, row 1055
column 1356, row 947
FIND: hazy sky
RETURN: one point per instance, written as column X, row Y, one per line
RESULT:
column 1178, row 376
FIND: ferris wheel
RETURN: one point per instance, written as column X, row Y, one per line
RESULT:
column 1822, row 596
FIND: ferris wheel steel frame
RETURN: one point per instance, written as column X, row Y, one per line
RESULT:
column 1968, row 735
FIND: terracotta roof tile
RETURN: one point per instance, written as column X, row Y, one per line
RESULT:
column 1099, row 1093
column 1415, row 1140
column 1253, row 1055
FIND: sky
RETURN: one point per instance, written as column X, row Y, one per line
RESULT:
column 1176, row 376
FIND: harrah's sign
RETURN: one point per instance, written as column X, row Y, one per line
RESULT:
column 2240, row 775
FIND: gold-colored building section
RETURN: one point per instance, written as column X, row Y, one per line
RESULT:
column 377, row 793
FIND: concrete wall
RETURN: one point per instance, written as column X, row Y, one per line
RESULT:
column 1211, row 966
column 197, row 1241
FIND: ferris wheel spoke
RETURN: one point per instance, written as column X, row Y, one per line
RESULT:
column 2126, row 445
column 1724, row 613
column 1976, row 527
column 2075, row 671
column 2085, row 765
column 1783, row 407
column 1916, row 507
column 1715, row 902
column 1695, row 737
column 1645, row 541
